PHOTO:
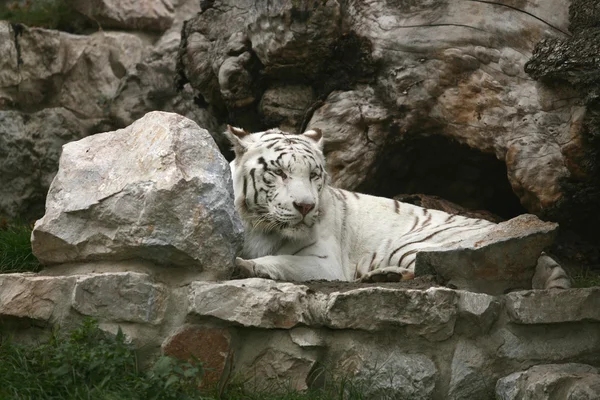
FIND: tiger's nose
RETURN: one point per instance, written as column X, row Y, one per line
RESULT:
column 304, row 208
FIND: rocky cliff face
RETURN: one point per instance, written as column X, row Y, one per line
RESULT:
column 429, row 98
column 56, row 87
column 574, row 61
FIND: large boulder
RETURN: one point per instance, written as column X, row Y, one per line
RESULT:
column 157, row 190
column 502, row 259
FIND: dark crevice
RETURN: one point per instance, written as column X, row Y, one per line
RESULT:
column 18, row 30
column 180, row 76
column 439, row 166
column 205, row 5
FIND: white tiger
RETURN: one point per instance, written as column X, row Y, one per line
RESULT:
column 299, row 228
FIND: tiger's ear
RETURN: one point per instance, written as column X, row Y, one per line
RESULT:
column 316, row 136
column 239, row 139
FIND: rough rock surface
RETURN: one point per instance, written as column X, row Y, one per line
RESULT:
column 387, row 75
column 502, row 259
column 151, row 15
column 552, row 381
column 158, row 190
column 30, row 146
column 286, row 106
column 280, row 305
column 120, row 297
column 383, row 374
column 40, row 298
column 150, row 86
column 574, row 60
column 277, row 370
column 470, row 374
column 542, row 307
column 48, row 68
column 394, row 309
column 433, row 344
column 54, row 87
column 274, row 305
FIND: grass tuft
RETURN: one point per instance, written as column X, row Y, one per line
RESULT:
column 586, row 278
column 50, row 14
column 15, row 249
column 89, row 363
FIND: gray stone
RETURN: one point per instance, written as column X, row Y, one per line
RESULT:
column 503, row 258
column 9, row 72
column 395, row 308
column 286, row 106
column 150, row 86
column 551, row 382
column 77, row 72
column 30, row 146
column 279, row 371
column 226, row 44
column 477, row 312
column 252, row 302
column 42, row 298
column 54, row 88
column 342, row 119
column 267, row 304
column 157, row 190
column 554, row 306
column 152, row 15
column 471, row 377
column 521, row 343
column 379, row 373
column 307, row 337
column 121, row 297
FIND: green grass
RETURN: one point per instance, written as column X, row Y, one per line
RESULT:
column 91, row 364
column 88, row 363
column 586, row 278
column 50, row 14
column 15, row 249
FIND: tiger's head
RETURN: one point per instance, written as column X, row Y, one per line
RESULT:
column 278, row 180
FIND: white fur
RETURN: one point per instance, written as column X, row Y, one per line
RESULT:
column 347, row 236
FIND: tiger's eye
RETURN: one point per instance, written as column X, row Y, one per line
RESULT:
column 313, row 175
column 280, row 173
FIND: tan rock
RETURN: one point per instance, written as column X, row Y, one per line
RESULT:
column 40, row 298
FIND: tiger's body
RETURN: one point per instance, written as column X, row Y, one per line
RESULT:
column 299, row 228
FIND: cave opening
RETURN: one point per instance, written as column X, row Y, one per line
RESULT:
column 440, row 166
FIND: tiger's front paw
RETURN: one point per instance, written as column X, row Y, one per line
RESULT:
column 388, row 274
column 250, row 269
